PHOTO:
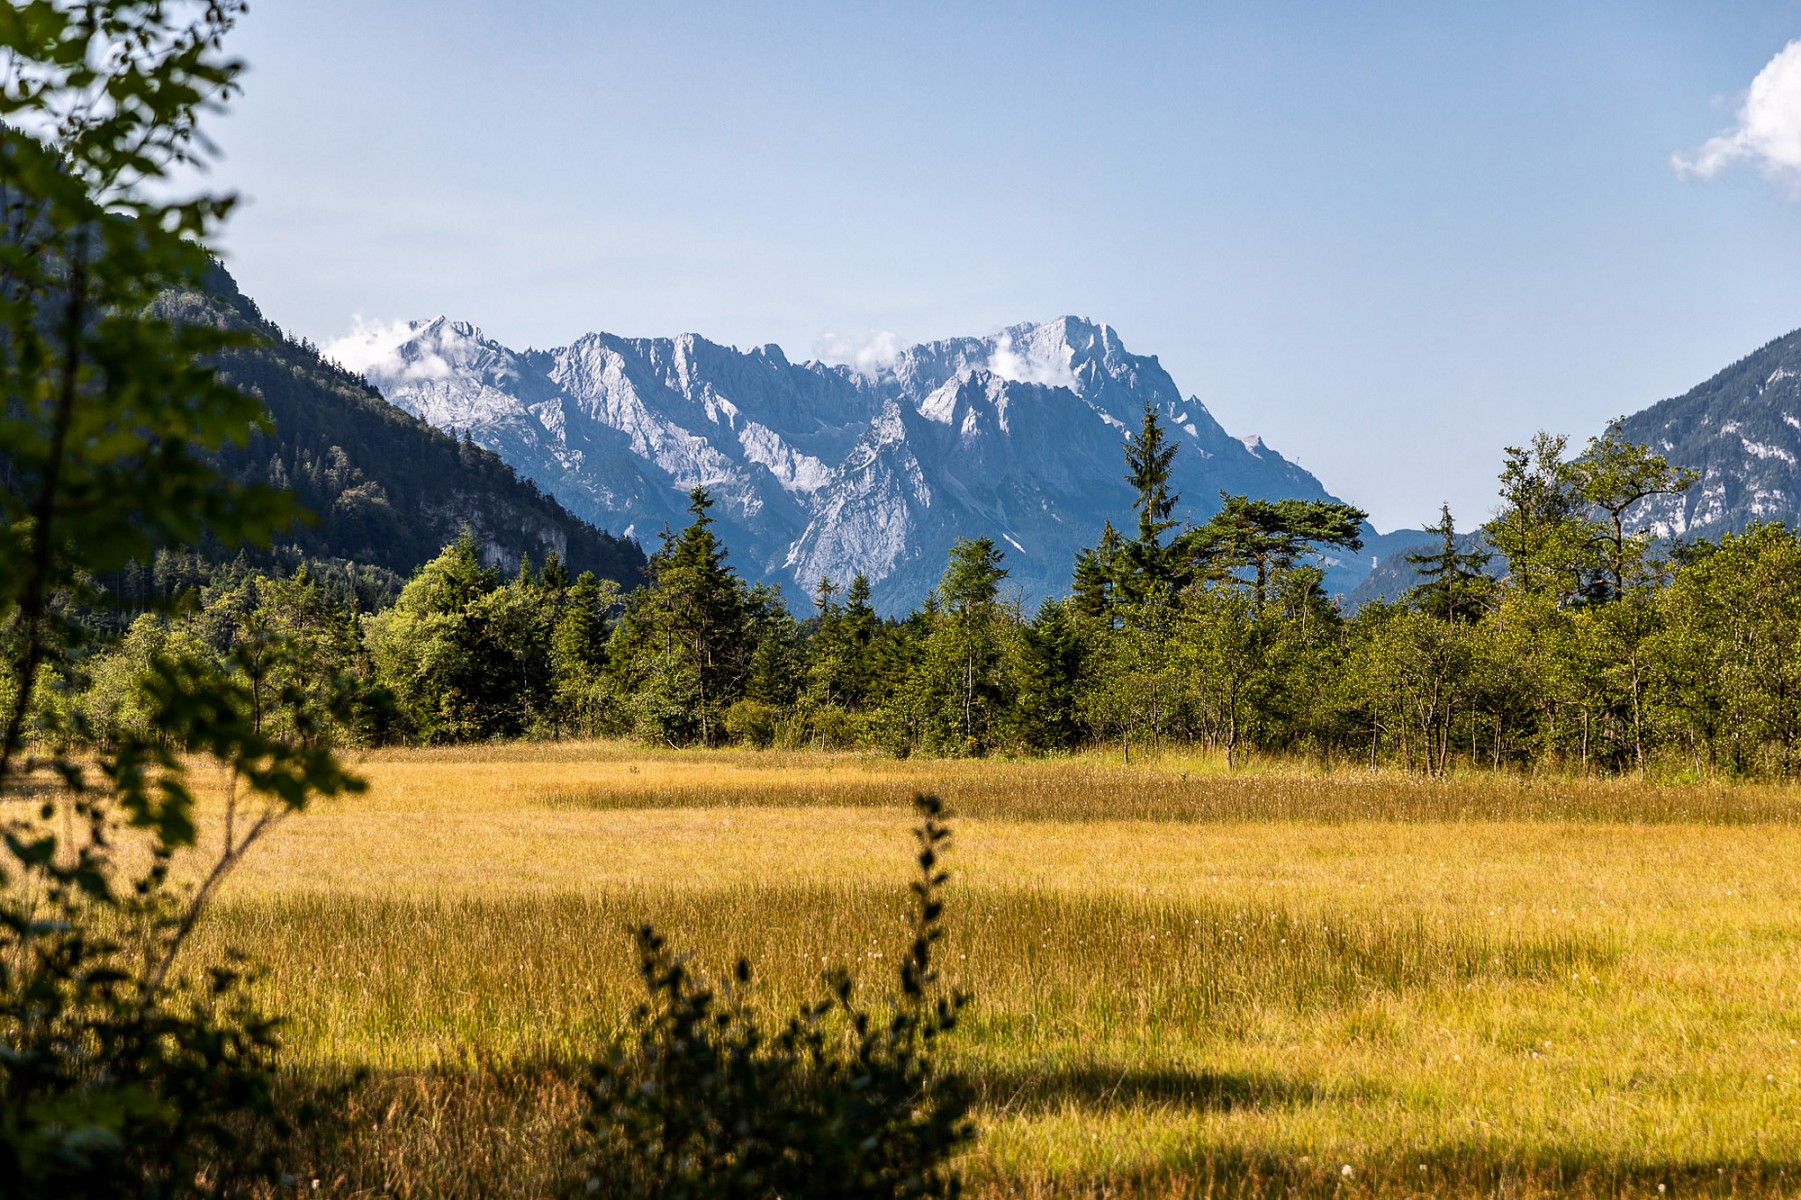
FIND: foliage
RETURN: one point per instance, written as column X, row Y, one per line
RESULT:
column 1726, row 652
column 961, row 689
column 1541, row 529
column 1547, row 667
column 840, row 1100
column 122, row 1073
column 684, row 643
column 1268, row 536
column 1147, row 565
column 1456, row 584
column 1611, row 477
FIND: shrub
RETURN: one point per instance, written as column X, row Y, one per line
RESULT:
column 840, row 1100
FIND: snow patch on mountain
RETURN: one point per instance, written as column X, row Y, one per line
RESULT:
column 1762, row 451
column 1739, row 429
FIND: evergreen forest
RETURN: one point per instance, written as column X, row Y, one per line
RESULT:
column 1572, row 639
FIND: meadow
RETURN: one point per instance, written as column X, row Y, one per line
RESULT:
column 1276, row 980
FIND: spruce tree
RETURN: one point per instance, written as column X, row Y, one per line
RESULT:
column 964, row 652
column 861, row 629
column 578, row 651
column 1146, row 564
column 1051, row 661
column 1097, row 574
column 1456, row 580
column 685, row 642
column 829, row 650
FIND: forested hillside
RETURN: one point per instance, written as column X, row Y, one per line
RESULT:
column 388, row 491
column 1741, row 431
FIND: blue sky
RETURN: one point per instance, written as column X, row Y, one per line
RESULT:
column 1389, row 238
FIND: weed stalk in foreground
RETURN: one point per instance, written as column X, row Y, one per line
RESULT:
column 842, row 1101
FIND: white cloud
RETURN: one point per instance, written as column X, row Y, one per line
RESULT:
column 866, row 355
column 1048, row 365
column 1768, row 133
column 374, row 349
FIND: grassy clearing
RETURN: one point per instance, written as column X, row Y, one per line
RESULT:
column 1448, row 987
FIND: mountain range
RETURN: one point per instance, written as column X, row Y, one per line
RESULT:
column 829, row 470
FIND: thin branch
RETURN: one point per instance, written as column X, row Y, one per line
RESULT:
column 190, row 917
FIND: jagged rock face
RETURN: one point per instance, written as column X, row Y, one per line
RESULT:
column 827, row 470
column 1742, row 431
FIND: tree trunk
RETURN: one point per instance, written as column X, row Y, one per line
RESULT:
column 1638, row 733
column 969, row 699
column 1231, row 725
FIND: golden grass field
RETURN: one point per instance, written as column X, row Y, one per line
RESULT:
column 1275, row 981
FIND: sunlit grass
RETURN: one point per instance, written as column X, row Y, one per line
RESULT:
column 1173, row 786
column 1185, row 980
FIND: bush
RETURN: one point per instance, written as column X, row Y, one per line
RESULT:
column 754, row 723
column 830, row 727
column 840, row 1101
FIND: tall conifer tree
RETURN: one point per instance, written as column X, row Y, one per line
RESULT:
column 1455, row 580
column 1147, row 565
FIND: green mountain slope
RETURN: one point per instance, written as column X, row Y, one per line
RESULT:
column 387, row 489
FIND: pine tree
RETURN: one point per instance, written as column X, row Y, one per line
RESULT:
column 554, row 574
column 1146, row 565
column 1269, row 535
column 578, row 651
column 685, row 642
column 828, row 651
column 1456, row 580
column 964, row 653
column 1051, row 662
column 1095, row 588
column 1541, row 530
column 1614, row 475
column 861, row 629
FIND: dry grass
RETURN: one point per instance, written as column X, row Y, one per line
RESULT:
column 1176, row 786
column 1186, row 982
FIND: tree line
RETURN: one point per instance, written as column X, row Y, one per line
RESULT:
column 1563, row 637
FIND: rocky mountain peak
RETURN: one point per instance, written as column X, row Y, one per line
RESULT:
column 831, row 470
